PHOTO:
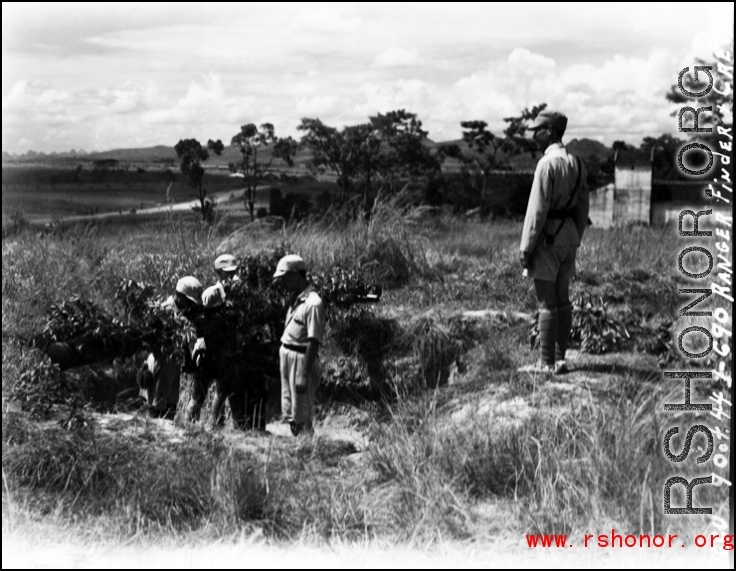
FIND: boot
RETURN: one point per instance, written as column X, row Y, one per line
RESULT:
column 564, row 327
column 547, row 336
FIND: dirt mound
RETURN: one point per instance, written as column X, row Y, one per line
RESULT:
column 242, row 238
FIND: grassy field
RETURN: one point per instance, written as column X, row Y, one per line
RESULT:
column 487, row 458
column 43, row 192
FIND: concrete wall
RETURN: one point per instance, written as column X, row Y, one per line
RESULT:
column 601, row 206
column 629, row 201
column 633, row 195
column 669, row 212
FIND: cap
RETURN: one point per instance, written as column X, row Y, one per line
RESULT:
column 213, row 296
column 554, row 119
column 226, row 262
column 290, row 263
column 190, row 287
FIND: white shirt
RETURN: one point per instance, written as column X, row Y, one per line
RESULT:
column 554, row 181
column 305, row 319
column 215, row 294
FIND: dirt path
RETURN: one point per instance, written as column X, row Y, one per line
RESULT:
column 176, row 207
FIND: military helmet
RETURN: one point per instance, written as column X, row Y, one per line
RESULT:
column 226, row 262
column 191, row 287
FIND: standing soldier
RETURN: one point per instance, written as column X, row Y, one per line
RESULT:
column 215, row 357
column 160, row 376
column 556, row 217
column 226, row 267
column 244, row 389
column 303, row 333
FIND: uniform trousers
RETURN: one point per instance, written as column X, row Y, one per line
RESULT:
column 296, row 407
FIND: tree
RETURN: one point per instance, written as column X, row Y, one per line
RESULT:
column 192, row 155
column 339, row 151
column 665, row 147
column 249, row 141
column 692, row 94
column 719, row 97
column 484, row 152
column 370, row 157
column 399, row 150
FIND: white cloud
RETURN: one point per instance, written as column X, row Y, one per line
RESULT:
column 150, row 73
column 622, row 98
column 322, row 20
column 409, row 94
column 319, row 106
column 397, row 57
column 23, row 143
column 521, row 59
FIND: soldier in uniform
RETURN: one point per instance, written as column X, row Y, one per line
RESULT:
column 226, row 267
column 160, row 376
column 556, row 217
column 303, row 333
column 245, row 390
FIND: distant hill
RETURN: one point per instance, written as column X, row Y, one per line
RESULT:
column 159, row 153
column 584, row 148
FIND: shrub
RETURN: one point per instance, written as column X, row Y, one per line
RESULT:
column 275, row 201
column 18, row 222
column 295, row 206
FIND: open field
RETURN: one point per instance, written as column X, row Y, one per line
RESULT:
column 43, row 193
column 488, row 457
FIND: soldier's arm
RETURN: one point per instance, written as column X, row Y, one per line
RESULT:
column 537, row 208
column 582, row 208
column 315, row 318
column 311, row 354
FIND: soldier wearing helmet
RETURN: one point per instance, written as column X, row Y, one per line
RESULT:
column 303, row 333
column 159, row 377
column 222, row 359
column 226, row 267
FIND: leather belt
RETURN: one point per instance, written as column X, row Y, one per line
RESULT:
column 561, row 214
column 297, row 348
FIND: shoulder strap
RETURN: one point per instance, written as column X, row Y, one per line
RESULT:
column 577, row 184
column 570, row 200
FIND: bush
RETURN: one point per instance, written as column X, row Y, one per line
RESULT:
column 296, row 206
column 275, row 201
column 262, row 212
column 324, row 201
column 361, row 333
column 18, row 222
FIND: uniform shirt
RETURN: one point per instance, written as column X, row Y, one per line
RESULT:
column 215, row 294
column 554, row 182
column 305, row 319
column 169, row 303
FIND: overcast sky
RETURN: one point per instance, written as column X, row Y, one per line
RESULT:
column 99, row 76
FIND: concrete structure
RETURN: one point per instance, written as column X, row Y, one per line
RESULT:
column 628, row 199
column 669, row 212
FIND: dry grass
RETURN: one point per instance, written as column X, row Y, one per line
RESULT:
column 576, row 464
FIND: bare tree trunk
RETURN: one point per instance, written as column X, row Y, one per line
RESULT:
column 202, row 204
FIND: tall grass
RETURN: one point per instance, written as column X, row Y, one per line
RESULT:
column 575, row 463
column 568, row 470
column 383, row 246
